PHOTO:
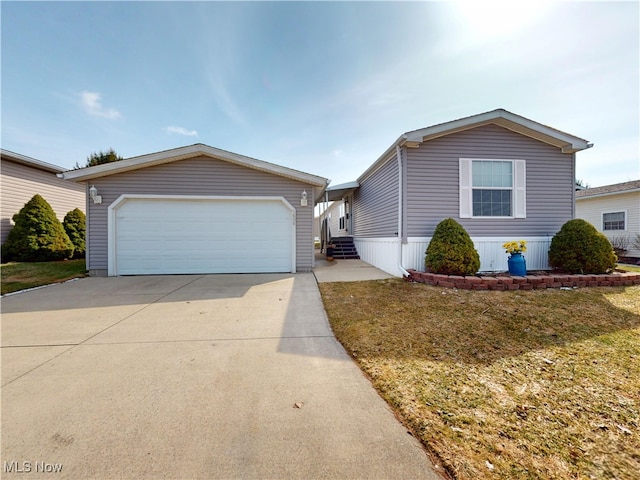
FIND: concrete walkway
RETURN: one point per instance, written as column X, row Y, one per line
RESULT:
column 346, row 270
column 183, row 377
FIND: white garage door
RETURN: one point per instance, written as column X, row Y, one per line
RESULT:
column 205, row 235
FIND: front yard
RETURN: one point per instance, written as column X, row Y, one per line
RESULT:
column 503, row 385
column 22, row 275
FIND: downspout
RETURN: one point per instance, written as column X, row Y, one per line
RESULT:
column 400, row 232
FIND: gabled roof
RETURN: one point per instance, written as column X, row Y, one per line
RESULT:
column 566, row 142
column 31, row 162
column 183, row 153
column 625, row 187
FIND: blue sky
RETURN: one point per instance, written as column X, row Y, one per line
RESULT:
column 321, row 87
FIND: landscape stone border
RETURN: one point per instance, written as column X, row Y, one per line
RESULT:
column 533, row 281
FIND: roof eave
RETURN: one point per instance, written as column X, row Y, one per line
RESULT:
column 606, row 194
column 183, row 153
column 566, row 142
column 337, row 192
column 402, row 139
column 31, row 162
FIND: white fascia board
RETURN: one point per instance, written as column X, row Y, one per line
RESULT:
column 343, row 186
column 568, row 143
column 606, row 194
column 266, row 166
column 190, row 151
column 133, row 163
column 32, row 162
column 382, row 159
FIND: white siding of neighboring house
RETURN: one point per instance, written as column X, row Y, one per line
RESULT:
column 592, row 208
column 19, row 183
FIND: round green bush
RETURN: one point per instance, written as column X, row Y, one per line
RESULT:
column 579, row 248
column 37, row 236
column 74, row 224
column 451, row 250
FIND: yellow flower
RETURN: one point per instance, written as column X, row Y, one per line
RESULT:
column 515, row 247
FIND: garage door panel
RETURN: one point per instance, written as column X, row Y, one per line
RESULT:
column 203, row 236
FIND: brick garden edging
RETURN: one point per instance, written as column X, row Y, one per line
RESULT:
column 530, row 282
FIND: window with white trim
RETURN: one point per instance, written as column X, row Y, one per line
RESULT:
column 614, row 221
column 492, row 188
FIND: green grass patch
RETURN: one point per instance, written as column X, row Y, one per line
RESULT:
column 628, row 268
column 22, row 275
column 503, row 385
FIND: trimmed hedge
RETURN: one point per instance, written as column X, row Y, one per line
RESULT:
column 74, row 224
column 37, row 236
column 579, row 248
column 451, row 250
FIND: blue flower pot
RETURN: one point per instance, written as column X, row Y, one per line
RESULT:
column 517, row 265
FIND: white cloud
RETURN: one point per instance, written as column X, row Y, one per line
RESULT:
column 93, row 106
column 224, row 99
column 181, row 131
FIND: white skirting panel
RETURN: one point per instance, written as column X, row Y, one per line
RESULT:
column 380, row 252
column 383, row 253
column 492, row 256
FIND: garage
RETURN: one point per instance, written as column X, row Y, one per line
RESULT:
column 152, row 235
column 198, row 209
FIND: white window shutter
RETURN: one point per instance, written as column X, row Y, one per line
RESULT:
column 466, row 194
column 520, row 189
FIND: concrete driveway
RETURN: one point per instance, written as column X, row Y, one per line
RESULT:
column 205, row 376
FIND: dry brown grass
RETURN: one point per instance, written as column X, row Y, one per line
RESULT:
column 510, row 385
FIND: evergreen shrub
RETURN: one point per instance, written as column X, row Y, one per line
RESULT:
column 37, row 236
column 74, row 224
column 451, row 250
column 579, row 248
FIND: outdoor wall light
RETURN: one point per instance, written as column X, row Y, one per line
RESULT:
column 303, row 200
column 93, row 193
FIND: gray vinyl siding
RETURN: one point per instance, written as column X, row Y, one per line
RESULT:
column 19, row 183
column 375, row 203
column 198, row 176
column 433, row 182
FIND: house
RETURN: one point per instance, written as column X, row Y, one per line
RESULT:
column 22, row 177
column 198, row 209
column 615, row 211
column 502, row 176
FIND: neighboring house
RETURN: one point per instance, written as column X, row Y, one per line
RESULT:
column 22, row 177
column 502, row 176
column 615, row 211
column 198, row 209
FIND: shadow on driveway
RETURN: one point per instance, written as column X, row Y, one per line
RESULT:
column 216, row 376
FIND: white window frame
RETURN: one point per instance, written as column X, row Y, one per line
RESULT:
column 341, row 217
column 624, row 212
column 518, row 188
